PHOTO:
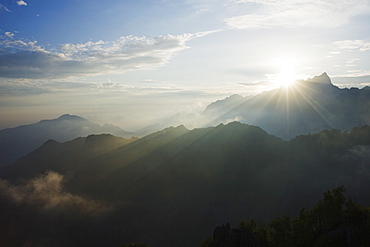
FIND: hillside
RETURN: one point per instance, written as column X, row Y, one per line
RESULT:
column 171, row 187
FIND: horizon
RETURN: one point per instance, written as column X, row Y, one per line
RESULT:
column 135, row 63
column 191, row 125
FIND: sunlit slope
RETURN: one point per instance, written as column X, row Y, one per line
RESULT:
column 303, row 107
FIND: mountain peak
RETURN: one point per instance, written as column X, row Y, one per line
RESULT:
column 70, row 117
column 323, row 78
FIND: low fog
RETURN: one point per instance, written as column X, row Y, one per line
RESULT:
column 46, row 192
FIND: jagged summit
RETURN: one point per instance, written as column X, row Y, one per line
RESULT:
column 323, row 78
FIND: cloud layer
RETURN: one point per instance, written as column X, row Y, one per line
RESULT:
column 299, row 13
column 20, row 59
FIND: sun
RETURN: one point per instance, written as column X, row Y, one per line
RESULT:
column 287, row 73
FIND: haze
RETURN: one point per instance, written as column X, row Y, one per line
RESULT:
column 135, row 63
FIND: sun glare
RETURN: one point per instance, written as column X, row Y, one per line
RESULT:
column 287, row 74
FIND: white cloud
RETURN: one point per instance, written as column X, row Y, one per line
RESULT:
column 299, row 13
column 9, row 34
column 348, row 45
column 22, row 3
column 20, row 59
column 236, row 119
column 111, row 85
column 352, row 62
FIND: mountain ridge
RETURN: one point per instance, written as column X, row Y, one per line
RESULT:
column 308, row 106
column 19, row 141
column 169, row 188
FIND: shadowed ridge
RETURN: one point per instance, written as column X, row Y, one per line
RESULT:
column 19, row 141
column 306, row 106
column 167, row 133
column 222, row 106
column 99, row 144
column 323, row 78
column 64, row 117
column 319, row 87
column 68, row 116
column 233, row 171
column 64, row 157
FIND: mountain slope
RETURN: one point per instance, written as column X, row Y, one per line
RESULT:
column 305, row 107
column 19, row 141
column 171, row 187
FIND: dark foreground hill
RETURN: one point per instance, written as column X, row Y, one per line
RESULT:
column 305, row 107
column 171, row 187
column 19, row 141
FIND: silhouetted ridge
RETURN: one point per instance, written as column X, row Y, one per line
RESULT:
column 103, row 143
column 323, row 78
column 21, row 140
column 50, row 142
column 170, row 188
column 68, row 116
column 179, row 130
column 307, row 106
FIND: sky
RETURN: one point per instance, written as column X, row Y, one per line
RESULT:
column 135, row 63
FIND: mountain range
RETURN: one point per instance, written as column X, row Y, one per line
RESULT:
column 76, row 183
column 170, row 188
column 19, row 141
column 305, row 107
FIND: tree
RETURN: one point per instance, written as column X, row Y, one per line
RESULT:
column 280, row 231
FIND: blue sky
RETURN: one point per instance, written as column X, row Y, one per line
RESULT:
column 135, row 63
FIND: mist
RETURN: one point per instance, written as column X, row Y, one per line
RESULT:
column 47, row 193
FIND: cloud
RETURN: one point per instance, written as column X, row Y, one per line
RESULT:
column 3, row 7
column 235, row 119
column 349, row 45
column 20, row 59
column 22, row 3
column 9, row 34
column 46, row 192
column 112, row 85
column 151, row 81
column 352, row 62
column 298, row 13
column 255, row 83
column 21, row 87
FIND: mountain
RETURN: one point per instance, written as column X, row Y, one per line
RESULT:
column 305, row 107
column 19, row 141
column 171, row 187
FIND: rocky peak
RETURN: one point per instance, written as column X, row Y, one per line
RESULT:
column 323, row 78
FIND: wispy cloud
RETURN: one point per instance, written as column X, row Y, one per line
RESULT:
column 9, row 34
column 21, row 59
column 9, row 87
column 3, row 7
column 151, row 81
column 352, row 62
column 299, row 13
column 254, row 83
column 348, row 45
column 22, row 3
